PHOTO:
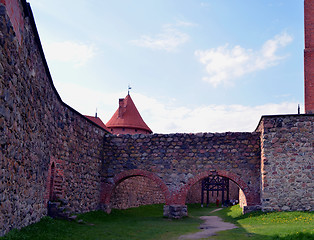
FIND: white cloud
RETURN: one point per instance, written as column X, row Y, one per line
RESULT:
column 224, row 64
column 67, row 51
column 164, row 117
column 169, row 39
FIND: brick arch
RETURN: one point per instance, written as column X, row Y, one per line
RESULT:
column 109, row 188
column 180, row 198
column 50, row 181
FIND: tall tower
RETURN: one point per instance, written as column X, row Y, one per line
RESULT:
column 309, row 56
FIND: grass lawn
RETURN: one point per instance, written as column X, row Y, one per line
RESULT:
column 271, row 225
column 146, row 222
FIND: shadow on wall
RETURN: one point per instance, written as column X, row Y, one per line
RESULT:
column 136, row 191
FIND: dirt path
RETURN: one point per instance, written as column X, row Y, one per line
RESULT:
column 209, row 228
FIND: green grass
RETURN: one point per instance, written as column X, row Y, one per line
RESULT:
column 271, row 225
column 146, row 222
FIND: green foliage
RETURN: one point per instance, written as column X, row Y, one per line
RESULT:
column 146, row 222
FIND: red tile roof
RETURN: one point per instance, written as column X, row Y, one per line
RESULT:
column 127, row 116
column 98, row 121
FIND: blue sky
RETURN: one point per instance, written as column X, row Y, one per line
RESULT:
column 194, row 66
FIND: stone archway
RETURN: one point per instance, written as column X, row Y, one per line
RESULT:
column 109, row 188
column 183, row 159
column 220, row 190
column 136, row 191
column 249, row 194
column 177, row 202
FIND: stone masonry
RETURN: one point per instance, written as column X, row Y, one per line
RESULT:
column 136, row 191
column 178, row 161
column 48, row 150
column 36, row 128
column 287, row 144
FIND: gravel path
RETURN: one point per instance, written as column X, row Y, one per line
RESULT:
column 209, row 228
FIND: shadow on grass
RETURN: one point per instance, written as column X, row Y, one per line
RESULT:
column 266, row 225
column 146, row 222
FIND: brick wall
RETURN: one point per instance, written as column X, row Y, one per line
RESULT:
column 309, row 56
column 55, row 180
column 287, row 162
column 37, row 127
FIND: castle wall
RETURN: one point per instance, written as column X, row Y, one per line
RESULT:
column 181, row 160
column 38, row 133
column 287, row 144
column 37, row 128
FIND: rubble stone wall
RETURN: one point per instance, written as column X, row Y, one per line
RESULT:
column 181, row 160
column 287, row 144
column 38, row 132
column 37, row 127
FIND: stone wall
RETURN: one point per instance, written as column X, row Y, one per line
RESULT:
column 36, row 127
column 181, row 160
column 287, row 162
column 39, row 131
column 136, row 191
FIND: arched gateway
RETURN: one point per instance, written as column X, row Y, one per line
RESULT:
column 175, row 162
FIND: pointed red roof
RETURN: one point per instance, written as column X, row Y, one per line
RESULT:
column 98, row 121
column 127, row 116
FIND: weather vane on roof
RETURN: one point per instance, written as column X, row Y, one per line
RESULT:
column 129, row 87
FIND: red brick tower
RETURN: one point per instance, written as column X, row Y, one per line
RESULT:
column 309, row 56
